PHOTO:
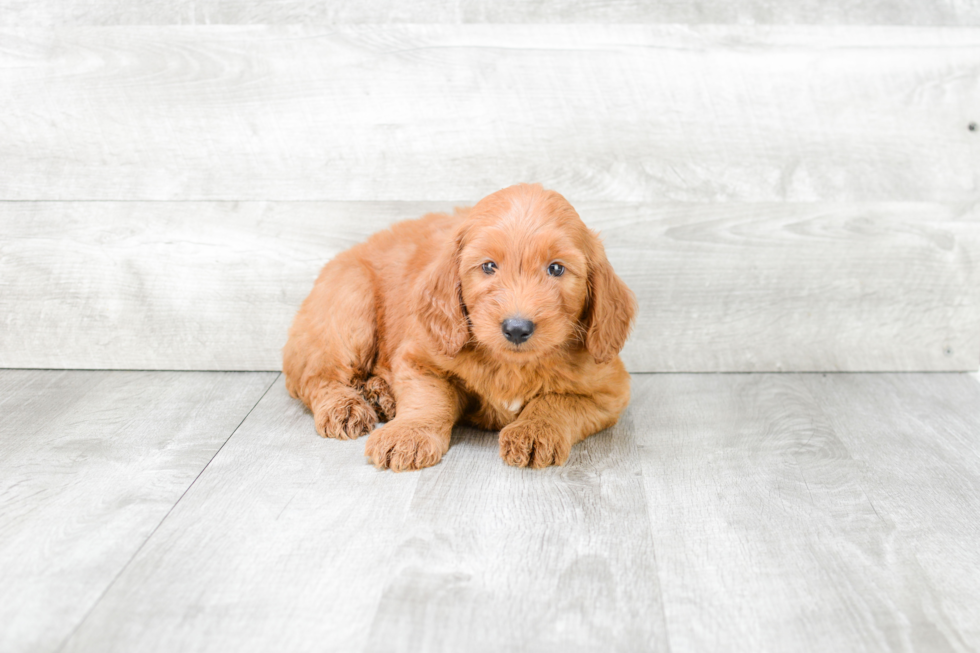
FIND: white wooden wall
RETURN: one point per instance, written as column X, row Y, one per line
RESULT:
column 236, row 12
column 781, row 196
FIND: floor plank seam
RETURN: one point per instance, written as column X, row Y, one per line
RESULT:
column 648, row 511
column 136, row 553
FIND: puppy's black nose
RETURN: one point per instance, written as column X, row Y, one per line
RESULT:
column 517, row 330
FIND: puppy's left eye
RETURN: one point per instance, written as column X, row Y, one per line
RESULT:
column 556, row 270
column 489, row 267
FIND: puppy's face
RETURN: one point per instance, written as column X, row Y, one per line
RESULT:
column 524, row 273
column 522, row 277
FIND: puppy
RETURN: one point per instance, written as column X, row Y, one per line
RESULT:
column 506, row 315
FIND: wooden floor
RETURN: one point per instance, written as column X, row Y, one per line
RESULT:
column 198, row 511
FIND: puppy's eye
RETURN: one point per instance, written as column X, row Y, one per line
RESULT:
column 556, row 270
column 489, row 267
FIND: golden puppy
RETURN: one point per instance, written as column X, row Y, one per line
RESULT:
column 506, row 315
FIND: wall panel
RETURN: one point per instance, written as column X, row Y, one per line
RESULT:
column 722, row 287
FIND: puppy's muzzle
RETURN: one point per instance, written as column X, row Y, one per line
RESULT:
column 517, row 330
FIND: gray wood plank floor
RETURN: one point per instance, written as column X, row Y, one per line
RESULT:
column 725, row 511
column 90, row 463
column 796, row 512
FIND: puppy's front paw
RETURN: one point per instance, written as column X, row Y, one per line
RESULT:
column 400, row 447
column 534, row 444
column 343, row 413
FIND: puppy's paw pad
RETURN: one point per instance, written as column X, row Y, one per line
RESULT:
column 344, row 415
column 405, row 447
column 379, row 395
column 532, row 444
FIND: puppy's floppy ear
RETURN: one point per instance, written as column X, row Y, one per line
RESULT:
column 609, row 314
column 439, row 299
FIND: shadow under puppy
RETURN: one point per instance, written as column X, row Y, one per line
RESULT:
column 506, row 315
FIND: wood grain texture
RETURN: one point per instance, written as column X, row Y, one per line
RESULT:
column 722, row 287
column 283, row 545
column 495, row 558
column 191, row 12
column 786, row 512
column 291, row 542
column 917, row 441
column 790, row 514
column 430, row 112
column 90, row 463
column 783, row 287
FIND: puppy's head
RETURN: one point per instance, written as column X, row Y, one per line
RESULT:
column 522, row 278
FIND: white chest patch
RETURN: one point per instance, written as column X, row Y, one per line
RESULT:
column 514, row 406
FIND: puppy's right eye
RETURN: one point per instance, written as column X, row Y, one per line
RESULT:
column 489, row 267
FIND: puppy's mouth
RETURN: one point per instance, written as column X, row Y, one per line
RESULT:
column 515, row 339
column 520, row 351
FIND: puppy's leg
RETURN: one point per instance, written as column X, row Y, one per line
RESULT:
column 418, row 437
column 550, row 424
column 331, row 349
column 379, row 395
column 340, row 411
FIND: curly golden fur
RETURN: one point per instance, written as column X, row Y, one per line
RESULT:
column 407, row 328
